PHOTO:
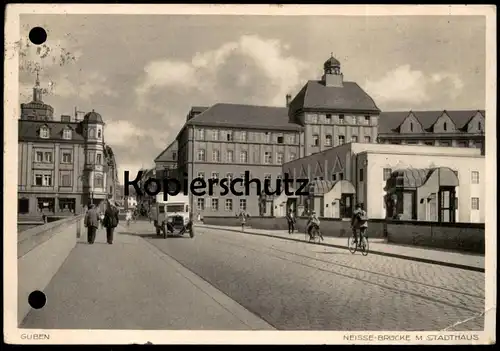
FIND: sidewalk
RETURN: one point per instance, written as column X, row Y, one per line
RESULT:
column 379, row 247
column 133, row 285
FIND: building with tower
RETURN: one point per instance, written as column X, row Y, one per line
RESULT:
column 64, row 164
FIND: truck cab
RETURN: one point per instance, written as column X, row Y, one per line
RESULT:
column 174, row 211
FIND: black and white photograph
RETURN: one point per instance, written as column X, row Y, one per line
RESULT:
column 182, row 173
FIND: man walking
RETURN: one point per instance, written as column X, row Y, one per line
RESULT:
column 91, row 222
column 111, row 221
column 291, row 221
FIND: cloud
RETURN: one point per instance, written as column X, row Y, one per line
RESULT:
column 406, row 88
column 249, row 70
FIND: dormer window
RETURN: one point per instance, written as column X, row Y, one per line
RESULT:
column 411, row 127
column 341, row 119
column 99, row 134
column 44, row 132
column 67, row 134
column 445, row 126
column 479, row 126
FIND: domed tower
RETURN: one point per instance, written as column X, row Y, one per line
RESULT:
column 37, row 109
column 332, row 76
column 94, row 168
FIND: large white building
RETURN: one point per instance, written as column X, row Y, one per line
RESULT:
column 411, row 182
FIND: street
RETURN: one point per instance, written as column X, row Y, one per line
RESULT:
column 299, row 286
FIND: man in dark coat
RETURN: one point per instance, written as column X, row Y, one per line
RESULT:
column 290, row 217
column 91, row 222
column 111, row 221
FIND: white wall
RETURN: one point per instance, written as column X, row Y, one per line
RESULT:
column 462, row 164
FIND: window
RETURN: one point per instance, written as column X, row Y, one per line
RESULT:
column 99, row 134
column 475, row 177
column 66, row 157
column 429, row 143
column 475, row 203
column 292, row 156
column 341, row 176
column 201, row 134
column 43, row 180
column 367, row 119
column 99, row 159
column 201, row 175
column 292, row 139
column 44, row 132
column 479, row 126
column 39, row 156
column 229, row 205
column 242, row 176
column 91, row 132
column 368, row 139
column 243, row 157
column 387, row 173
column 411, row 127
column 215, row 204
column 67, row 134
column 314, row 119
column 328, row 118
column 229, row 177
column 66, row 180
column 230, row 156
column 200, row 204
column 328, row 140
column 445, row 143
column 267, row 157
column 334, row 177
column 267, row 176
column 341, row 139
column 216, row 156
column 174, row 156
column 412, row 142
column 315, row 140
column 243, row 204
column 98, row 182
column 445, row 126
column 215, row 135
column 280, row 140
column 354, row 139
column 267, row 137
column 279, row 176
column 47, row 157
column 243, row 136
column 229, row 136
column 201, row 155
column 361, row 175
column 341, row 118
column 215, row 175
column 463, row 144
column 280, row 157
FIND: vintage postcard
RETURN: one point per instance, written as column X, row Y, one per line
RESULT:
column 207, row 174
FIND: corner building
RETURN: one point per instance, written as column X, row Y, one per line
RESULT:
column 63, row 165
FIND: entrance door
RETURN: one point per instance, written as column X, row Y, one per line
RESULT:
column 346, row 205
column 446, row 204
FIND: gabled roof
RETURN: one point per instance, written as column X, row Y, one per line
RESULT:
column 390, row 121
column 162, row 157
column 245, row 116
column 28, row 130
column 349, row 97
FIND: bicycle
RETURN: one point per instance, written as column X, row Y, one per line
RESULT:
column 361, row 244
column 315, row 235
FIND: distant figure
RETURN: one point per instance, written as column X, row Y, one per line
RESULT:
column 199, row 217
column 91, row 223
column 111, row 221
column 128, row 217
column 243, row 219
column 290, row 217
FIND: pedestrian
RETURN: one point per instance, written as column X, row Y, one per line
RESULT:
column 290, row 217
column 111, row 220
column 128, row 217
column 243, row 219
column 91, row 223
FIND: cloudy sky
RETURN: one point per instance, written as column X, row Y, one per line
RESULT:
column 142, row 73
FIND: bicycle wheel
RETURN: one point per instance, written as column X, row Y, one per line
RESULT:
column 351, row 245
column 364, row 246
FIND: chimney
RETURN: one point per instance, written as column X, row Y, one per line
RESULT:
column 288, row 99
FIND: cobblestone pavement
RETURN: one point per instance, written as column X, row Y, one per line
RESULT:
column 298, row 286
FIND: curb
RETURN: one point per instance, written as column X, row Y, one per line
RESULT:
column 380, row 253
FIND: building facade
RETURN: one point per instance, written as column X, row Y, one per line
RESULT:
column 227, row 140
column 425, row 183
column 167, row 161
column 63, row 165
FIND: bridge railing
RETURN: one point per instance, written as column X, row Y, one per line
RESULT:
column 41, row 251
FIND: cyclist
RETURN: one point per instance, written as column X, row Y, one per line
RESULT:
column 313, row 222
column 359, row 221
